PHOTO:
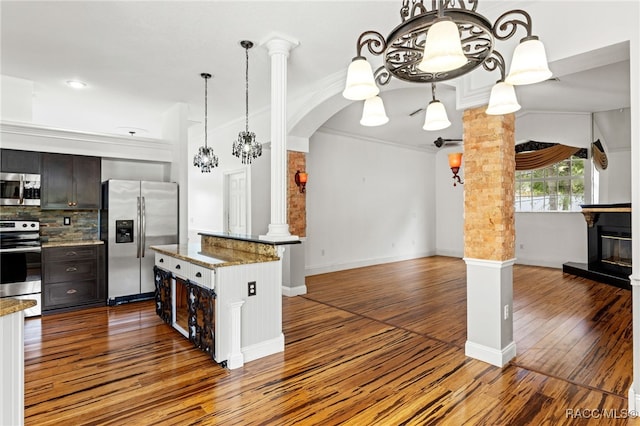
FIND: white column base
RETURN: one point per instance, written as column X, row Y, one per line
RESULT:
column 279, row 232
column 499, row 358
column 634, row 399
column 489, row 311
column 235, row 359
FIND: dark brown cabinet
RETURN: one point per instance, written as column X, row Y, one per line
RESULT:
column 17, row 161
column 72, row 278
column 70, row 182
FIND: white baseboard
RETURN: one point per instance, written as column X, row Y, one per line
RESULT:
column 324, row 269
column 259, row 350
column 493, row 356
column 634, row 400
column 449, row 253
column 294, row 291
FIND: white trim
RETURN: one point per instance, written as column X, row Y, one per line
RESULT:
column 294, row 291
column 40, row 138
column 499, row 358
column 265, row 348
column 499, row 264
column 450, row 253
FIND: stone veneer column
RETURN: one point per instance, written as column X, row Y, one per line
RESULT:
column 279, row 49
column 297, row 201
column 489, row 234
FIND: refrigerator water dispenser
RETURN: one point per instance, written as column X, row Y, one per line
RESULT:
column 124, row 231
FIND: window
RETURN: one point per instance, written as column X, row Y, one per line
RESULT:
column 559, row 187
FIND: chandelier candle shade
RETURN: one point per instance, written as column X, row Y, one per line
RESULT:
column 440, row 40
column 205, row 159
column 373, row 113
column 246, row 147
column 436, row 116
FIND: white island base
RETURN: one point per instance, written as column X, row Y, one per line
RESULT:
column 224, row 295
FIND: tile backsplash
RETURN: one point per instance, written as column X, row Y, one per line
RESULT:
column 85, row 224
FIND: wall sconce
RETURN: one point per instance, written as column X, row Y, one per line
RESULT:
column 301, row 180
column 455, row 160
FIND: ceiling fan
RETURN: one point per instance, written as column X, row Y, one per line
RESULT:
column 441, row 142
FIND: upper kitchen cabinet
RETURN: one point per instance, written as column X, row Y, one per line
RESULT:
column 16, row 161
column 70, row 182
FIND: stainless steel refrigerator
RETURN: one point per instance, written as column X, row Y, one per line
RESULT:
column 134, row 216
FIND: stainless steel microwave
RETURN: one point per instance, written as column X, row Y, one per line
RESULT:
column 19, row 189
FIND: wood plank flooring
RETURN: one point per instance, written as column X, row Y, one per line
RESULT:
column 381, row 345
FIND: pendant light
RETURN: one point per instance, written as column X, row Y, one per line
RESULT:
column 246, row 147
column 436, row 116
column 205, row 158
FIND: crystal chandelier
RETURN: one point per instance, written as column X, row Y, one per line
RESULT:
column 205, row 158
column 444, row 39
column 246, row 147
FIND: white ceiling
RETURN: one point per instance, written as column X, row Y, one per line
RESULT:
column 139, row 58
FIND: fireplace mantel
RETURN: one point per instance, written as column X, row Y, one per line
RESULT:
column 609, row 245
column 591, row 211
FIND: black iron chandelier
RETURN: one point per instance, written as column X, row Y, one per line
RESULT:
column 246, row 147
column 205, row 158
column 440, row 42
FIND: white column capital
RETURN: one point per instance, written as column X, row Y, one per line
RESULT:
column 278, row 44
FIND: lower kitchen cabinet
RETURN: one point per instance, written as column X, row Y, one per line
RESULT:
column 72, row 278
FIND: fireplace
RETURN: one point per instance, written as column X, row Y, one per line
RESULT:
column 609, row 245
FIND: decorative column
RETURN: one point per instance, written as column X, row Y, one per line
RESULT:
column 489, row 234
column 235, row 359
column 279, row 49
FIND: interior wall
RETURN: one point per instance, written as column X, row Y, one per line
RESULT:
column 206, row 190
column 367, row 203
column 449, row 205
column 615, row 181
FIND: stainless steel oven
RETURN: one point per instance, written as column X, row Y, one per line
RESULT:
column 20, row 262
column 19, row 189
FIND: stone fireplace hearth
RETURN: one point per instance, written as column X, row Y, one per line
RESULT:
column 609, row 245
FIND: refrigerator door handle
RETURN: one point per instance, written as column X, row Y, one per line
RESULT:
column 144, row 228
column 138, row 230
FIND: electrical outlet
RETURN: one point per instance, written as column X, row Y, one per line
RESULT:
column 506, row 312
column 251, row 288
column 66, row 221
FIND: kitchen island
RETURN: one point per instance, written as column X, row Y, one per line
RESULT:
column 224, row 295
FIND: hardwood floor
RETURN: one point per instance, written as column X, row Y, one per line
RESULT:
column 381, row 345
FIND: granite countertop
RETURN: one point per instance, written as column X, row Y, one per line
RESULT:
column 251, row 238
column 212, row 257
column 10, row 306
column 72, row 243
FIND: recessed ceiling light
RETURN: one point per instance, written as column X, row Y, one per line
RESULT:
column 76, row 84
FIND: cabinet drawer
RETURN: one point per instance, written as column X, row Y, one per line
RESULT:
column 55, row 254
column 177, row 266
column 70, row 271
column 70, row 293
column 165, row 262
column 202, row 276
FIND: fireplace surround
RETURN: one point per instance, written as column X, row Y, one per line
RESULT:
column 609, row 245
